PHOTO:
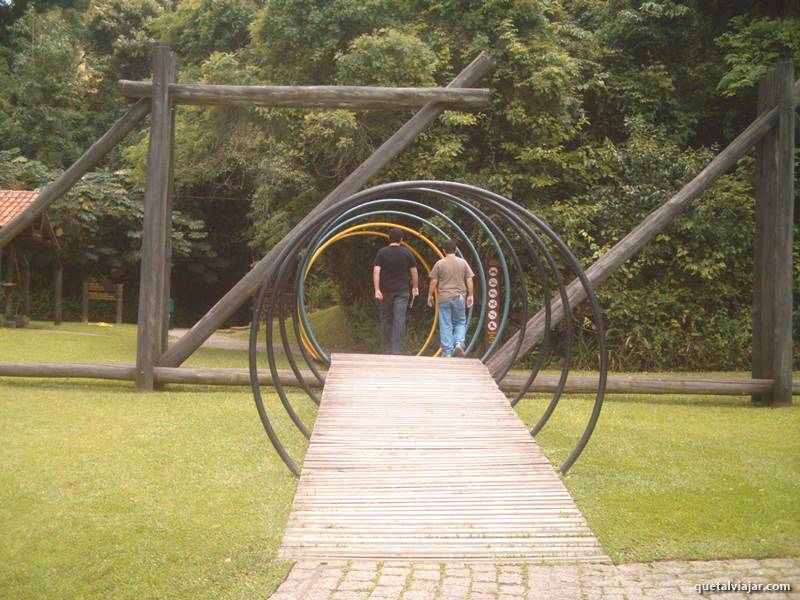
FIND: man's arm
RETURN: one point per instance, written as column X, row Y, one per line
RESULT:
column 414, row 282
column 431, row 288
column 376, row 282
column 470, row 290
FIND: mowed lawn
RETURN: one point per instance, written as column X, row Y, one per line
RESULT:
column 107, row 493
column 682, row 477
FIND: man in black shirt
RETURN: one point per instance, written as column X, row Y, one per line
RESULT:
column 390, row 270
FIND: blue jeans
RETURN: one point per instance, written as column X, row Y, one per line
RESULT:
column 452, row 324
column 393, row 321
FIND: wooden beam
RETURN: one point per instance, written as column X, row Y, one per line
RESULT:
column 645, row 384
column 26, row 285
column 236, row 377
column 85, row 302
column 652, row 225
column 118, row 298
column 68, row 370
column 764, row 188
column 126, row 372
column 58, row 289
column 167, row 283
column 247, row 286
column 772, row 249
column 312, row 96
column 8, row 282
column 156, row 222
column 677, row 384
column 77, row 170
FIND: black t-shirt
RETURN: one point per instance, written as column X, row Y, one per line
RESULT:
column 394, row 261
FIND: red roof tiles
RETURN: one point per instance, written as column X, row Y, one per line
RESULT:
column 13, row 202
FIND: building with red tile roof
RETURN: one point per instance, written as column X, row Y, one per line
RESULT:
column 15, row 274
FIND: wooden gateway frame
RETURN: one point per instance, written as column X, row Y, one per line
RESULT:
column 772, row 132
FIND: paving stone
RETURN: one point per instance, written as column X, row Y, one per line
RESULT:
column 395, row 571
column 365, row 565
column 350, row 595
column 511, row 588
column 483, row 568
column 427, row 566
column 355, row 586
column 484, row 576
column 484, row 587
column 423, row 585
column 418, row 595
column 326, row 583
column 361, row 575
column 391, row 579
column 460, row 589
column 453, row 594
column 386, row 592
column 427, row 575
column 510, row 577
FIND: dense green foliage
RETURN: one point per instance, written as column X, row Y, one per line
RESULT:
column 600, row 110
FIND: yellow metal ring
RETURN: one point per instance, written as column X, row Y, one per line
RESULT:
column 359, row 230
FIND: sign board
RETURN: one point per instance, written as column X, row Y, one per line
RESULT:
column 97, row 291
column 493, row 296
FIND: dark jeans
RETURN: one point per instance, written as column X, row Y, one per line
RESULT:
column 393, row 321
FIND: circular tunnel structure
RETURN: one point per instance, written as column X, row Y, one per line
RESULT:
column 531, row 264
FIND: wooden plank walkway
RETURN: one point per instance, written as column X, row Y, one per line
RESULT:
column 424, row 459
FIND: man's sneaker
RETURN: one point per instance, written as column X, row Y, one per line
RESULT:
column 459, row 352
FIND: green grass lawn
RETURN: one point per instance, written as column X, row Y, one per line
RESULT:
column 681, row 477
column 329, row 326
column 107, row 493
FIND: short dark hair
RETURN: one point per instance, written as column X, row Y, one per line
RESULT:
column 395, row 235
column 450, row 247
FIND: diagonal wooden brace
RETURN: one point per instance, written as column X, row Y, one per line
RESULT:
column 654, row 223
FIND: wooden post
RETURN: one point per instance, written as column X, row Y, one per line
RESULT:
column 25, row 280
column 118, row 290
column 156, row 203
column 8, row 284
column 168, row 228
column 85, row 302
column 248, row 285
column 772, row 248
column 58, row 290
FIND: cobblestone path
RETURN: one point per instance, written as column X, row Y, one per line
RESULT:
column 341, row 580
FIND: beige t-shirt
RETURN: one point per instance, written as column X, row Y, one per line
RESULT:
column 452, row 273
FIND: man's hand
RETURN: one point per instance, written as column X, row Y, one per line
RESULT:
column 470, row 301
column 378, row 295
column 430, row 300
column 415, row 291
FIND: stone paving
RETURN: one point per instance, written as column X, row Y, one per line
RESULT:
column 342, row 580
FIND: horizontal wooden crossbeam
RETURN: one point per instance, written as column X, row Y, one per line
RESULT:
column 307, row 96
column 576, row 384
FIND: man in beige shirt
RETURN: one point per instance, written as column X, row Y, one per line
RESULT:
column 452, row 277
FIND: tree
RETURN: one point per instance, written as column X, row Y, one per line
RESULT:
column 43, row 91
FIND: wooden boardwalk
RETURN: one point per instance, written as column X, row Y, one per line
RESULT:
column 424, row 459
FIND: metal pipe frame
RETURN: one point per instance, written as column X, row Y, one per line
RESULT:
column 492, row 213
